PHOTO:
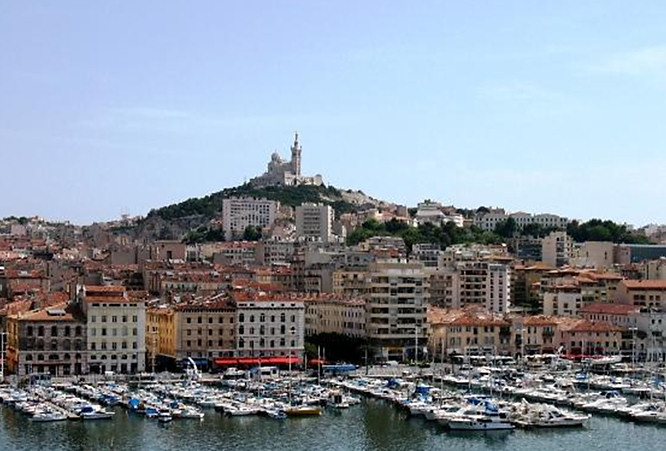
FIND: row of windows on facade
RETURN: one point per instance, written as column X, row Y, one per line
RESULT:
column 220, row 343
column 67, row 331
column 262, row 318
column 242, row 344
column 114, row 346
column 210, row 332
column 66, row 345
column 262, row 343
column 262, row 330
column 220, row 320
column 40, row 357
column 114, row 332
column 114, row 357
column 114, row 318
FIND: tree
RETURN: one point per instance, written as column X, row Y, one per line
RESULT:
column 506, row 228
column 252, row 233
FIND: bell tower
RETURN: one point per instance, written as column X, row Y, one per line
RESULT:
column 296, row 156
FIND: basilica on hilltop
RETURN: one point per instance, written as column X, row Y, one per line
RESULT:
column 286, row 173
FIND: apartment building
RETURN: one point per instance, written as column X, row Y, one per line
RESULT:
column 270, row 325
column 556, row 249
column 335, row 314
column 429, row 254
column 51, row 340
column 469, row 331
column 642, row 293
column 116, row 332
column 315, row 222
column 482, row 283
column 200, row 331
column 240, row 212
column 397, row 294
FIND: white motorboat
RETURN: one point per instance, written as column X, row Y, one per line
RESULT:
column 490, row 420
column 48, row 416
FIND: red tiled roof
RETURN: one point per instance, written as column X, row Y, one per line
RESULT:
column 645, row 284
column 610, row 309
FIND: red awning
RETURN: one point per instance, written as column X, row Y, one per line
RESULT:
column 286, row 360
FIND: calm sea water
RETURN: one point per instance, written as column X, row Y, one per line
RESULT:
column 373, row 425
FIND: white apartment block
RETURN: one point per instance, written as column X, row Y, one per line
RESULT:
column 116, row 332
column 557, row 249
column 270, row 327
column 315, row 221
column 490, row 220
column 396, row 301
column 594, row 254
column 240, row 212
column 562, row 300
column 482, row 283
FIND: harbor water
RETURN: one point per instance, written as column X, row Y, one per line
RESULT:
column 372, row 425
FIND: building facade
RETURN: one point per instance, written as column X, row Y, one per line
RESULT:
column 51, row 340
column 116, row 332
column 238, row 213
column 315, row 222
column 397, row 294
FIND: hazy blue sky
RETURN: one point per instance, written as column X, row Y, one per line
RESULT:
column 543, row 106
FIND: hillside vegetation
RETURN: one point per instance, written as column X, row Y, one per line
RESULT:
column 209, row 206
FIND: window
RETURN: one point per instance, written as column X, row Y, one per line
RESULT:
column 103, row 318
column 189, row 320
column 29, row 331
column 124, row 318
column 93, row 332
column 40, row 331
column 67, row 331
column 78, row 331
column 103, row 331
column 283, row 317
column 114, row 319
column 93, row 319
column 251, row 318
column 210, row 320
column 241, row 318
column 199, row 320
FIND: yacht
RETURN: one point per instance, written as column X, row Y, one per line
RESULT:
column 491, row 419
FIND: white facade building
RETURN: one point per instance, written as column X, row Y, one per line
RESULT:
column 557, row 249
column 239, row 213
column 270, row 327
column 116, row 332
column 315, row 221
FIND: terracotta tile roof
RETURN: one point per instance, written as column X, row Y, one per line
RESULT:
column 51, row 314
column 645, row 284
column 464, row 317
column 609, row 309
column 104, row 289
column 539, row 320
